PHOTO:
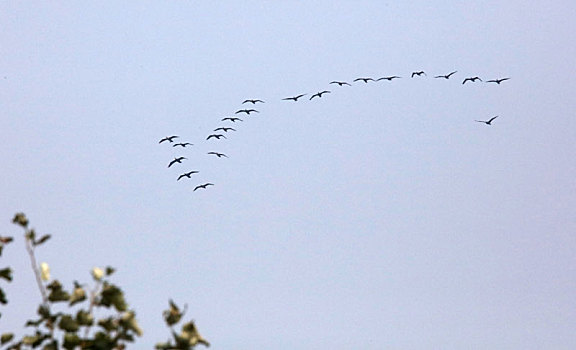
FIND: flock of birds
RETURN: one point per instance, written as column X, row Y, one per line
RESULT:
column 219, row 132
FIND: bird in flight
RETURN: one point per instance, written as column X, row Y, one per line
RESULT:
column 188, row 174
column 183, row 144
column 366, row 80
column 219, row 155
column 224, row 129
column 447, row 76
column 217, row 136
column 417, row 73
column 295, row 98
column 319, row 94
column 169, row 138
column 203, row 186
column 473, row 79
column 232, row 119
column 487, row 122
column 247, row 111
column 252, row 101
column 388, row 78
column 497, row 81
column 340, row 83
column 176, row 160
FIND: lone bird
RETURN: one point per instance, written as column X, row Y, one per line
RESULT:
column 203, row 186
column 340, row 83
column 224, row 129
column 366, row 80
column 417, row 73
column 232, row 119
column 319, row 94
column 447, row 76
column 497, row 81
column 252, row 101
column 473, row 79
column 295, row 98
column 169, row 138
column 487, row 122
column 247, row 111
column 176, row 160
column 188, row 175
column 219, row 155
column 217, row 136
column 183, row 144
column 388, row 78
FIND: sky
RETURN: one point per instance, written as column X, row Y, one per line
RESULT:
column 379, row 216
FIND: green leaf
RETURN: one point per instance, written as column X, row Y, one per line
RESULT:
column 52, row 346
column 78, row 295
column 71, row 340
column 6, row 274
column 42, row 240
column 68, row 324
column 112, row 295
column 110, row 270
column 44, row 311
column 6, row 337
column 3, row 299
column 84, row 318
column 20, row 219
column 57, row 293
column 172, row 315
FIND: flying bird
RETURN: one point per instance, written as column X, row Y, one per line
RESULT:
column 319, row 94
column 188, row 175
column 417, row 73
column 224, row 129
column 176, row 160
column 447, row 76
column 219, row 155
column 217, row 136
column 497, row 81
column 232, row 119
column 295, row 98
column 183, row 144
column 252, row 101
column 340, row 83
column 366, row 80
column 388, row 78
column 247, row 111
column 203, row 186
column 487, row 122
column 169, row 138
column 473, row 79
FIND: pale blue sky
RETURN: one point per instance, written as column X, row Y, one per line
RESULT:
column 381, row 216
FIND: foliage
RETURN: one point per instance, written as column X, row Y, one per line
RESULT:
column 65, row 317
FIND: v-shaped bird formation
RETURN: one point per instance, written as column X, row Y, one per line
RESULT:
column 190, row 174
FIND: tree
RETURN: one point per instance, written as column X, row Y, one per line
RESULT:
column 65, row 318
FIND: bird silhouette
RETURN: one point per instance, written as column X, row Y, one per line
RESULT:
column 217, row 136
column 447, row 76
column 247, row 111
column 176, row 160
column 388, row 78
column 219, row 155
column 472, row 79
column 203, row 186
column 295, row 98
column 183, row 144
column 169, row 138
column 497, row 81
column 224, row 129
column 366, row 80
column 340, row 83
column 417, row 73
column 487, row 122
column 232, row 119
column 188, row 175
column 252, row 101
column 319, row 94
